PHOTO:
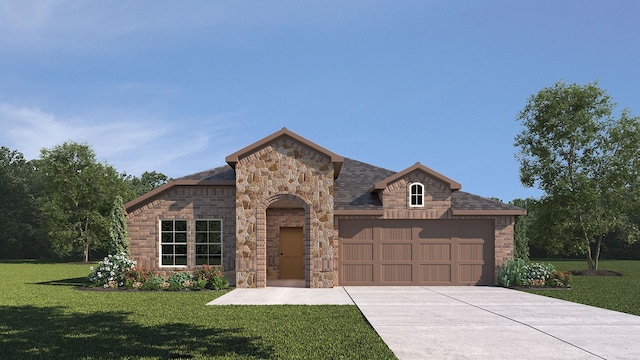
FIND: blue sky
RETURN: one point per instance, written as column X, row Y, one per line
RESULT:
column 176, row 86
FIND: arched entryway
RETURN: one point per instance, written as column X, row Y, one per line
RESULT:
column 283, row 235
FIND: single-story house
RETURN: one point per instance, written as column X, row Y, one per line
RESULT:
column 287, row 208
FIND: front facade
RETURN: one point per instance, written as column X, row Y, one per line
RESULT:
column 287, row 208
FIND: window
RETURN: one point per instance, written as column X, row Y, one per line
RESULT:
column 209, row 242
column 173, row 242
column 416, row 195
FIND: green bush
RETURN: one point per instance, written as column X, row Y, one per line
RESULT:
column 154, row 283
column 213, row 276
column 518, row 272
column 514, row 273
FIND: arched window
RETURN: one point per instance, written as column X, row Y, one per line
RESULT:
column 416, row 195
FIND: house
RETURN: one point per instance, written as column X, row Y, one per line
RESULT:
column 287, row 208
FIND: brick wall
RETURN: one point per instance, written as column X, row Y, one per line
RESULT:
column 437, row 198
column 183, row 203
column 277, row 218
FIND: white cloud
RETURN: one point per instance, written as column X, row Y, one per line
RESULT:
column 133, row 143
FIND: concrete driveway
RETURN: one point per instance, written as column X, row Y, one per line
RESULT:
column 493, row 323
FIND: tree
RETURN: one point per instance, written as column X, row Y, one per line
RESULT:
column 19, row 213
column 78, row 193
column 118, row 242
column 521, row 228
column 586, row 162
column 147, row 182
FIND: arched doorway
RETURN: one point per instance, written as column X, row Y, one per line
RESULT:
column 283, row 234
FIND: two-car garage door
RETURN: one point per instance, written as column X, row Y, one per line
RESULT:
column 416, row 252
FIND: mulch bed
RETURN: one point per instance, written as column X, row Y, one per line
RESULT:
column 595, row 273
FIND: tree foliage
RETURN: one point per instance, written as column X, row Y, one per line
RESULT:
column 118, row 241
column 77, row 199
column 20, row 234
column 147, row 182
column 586, row 162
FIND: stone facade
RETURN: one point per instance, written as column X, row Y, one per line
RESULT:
column 284, row 170
column 183, row 203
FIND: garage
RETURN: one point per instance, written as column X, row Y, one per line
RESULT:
column 416, row 252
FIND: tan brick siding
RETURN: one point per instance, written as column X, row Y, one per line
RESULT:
column 437, row 198
column 184, row 203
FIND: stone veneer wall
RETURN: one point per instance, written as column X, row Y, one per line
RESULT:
column 284, row 170
column 183, row 203
column 437, row 198
column 277, row 218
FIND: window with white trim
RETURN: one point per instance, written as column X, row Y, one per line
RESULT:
column 208, row 242
column 173, row 242
column 416, row 195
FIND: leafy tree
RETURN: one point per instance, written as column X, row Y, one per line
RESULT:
column 147, row 182
column 521, row 229
column 78, row 193
column 118, row 242
column 585, row 161
column 19, row 213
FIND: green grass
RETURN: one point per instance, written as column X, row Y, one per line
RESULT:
column 42, row 315
column 620, row 293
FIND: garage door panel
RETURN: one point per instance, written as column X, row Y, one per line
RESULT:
column 357, row 274
column 357, row 252
column 470, row 273
column 435, row 273
column 356, row 230
column 434, row 229
column 435, row 252
column 396, row 273
column 416, row 252
column 396, row 252
column 470, row 251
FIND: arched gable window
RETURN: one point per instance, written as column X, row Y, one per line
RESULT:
column 416, row 195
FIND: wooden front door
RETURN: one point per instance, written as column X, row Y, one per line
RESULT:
column 291, row 253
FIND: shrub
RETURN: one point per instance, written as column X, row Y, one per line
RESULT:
column 514, row 273
column 177, row 280
column 109, row 272
column 134, row 278
column 212, row 275
column 154, row 283
column 537, row 274
column 560, row 279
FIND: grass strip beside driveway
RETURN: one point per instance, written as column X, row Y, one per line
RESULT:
column 619, row 293
column 42, row 315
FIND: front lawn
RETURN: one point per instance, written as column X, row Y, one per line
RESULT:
column 42, row 315
column 620, row 293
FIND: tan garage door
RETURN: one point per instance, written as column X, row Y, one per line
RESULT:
column 416, row 252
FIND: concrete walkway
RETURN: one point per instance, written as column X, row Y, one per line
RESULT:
column 471, row 322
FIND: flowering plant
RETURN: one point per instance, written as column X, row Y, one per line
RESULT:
column 109, row 272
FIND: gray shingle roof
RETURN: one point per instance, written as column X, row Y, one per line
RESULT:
column 352, row 189
column 220, row 173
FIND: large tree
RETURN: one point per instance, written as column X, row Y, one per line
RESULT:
column 78, row 196
column 586, row 161
column 19, row 214
column 148, row 181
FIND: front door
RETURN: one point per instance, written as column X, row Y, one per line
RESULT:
column 291, row 253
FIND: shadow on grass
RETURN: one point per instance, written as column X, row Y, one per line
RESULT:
column 53, row 333
column 78, row 281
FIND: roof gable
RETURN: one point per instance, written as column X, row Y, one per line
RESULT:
column 233, row 159
column 382, row 184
